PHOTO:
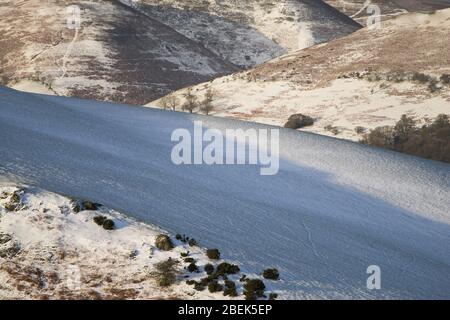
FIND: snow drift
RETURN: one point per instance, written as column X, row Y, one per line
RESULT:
column 334, row 208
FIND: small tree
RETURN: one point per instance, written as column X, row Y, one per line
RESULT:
column 164, row 103
column 403, row 129
column 191, row 101
column 206, row 105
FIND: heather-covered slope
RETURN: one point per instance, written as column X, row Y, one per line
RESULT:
column 135, row 52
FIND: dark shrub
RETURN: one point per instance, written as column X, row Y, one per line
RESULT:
column 192, row 267
column 205, row 281
column 87, row 205
column 209, row 268
column 199, row 287
column 75, row 206
column 178, row 237
column 190, row 282
column 189, row 260
column 14, row 201
column 164, row 243
column 214, row 286
column 227, row 268
column 184, row 254
column 192, row 242
column 243, row 278
column 100, row 220
column 108, row 224
column 420, row 77
column 360, row 130
column 230, row 292
column 271, row 274
column 253, row 289
column 297, row 121
column 166, row 272
column 230, row 284
column 273, row 296
column 213, row 254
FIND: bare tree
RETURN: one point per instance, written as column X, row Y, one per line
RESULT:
column 206, row 104
column 173, row 102
column 164, row 102
column 169, row 102
column 191, row 101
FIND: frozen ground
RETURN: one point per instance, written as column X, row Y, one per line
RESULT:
column 58, row 253
column 334, row 208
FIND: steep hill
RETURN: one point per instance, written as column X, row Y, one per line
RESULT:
column 334, row 208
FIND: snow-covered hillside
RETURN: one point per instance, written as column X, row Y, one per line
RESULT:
column 367, row 79
column 48, row 250
column 251, row 32
column 333, row 209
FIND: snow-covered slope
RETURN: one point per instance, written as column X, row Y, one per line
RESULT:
column 50, row 251
column 334, row 208
column 365, row 79
column 251, row 32
column 135, row 52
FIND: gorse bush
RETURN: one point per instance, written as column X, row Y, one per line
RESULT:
column 213, row 254
column 166, row 272
column 254, row 289
column 431, row 141
column 298, row 121
column 163, row 243
column 209, row 268
column 271, row 274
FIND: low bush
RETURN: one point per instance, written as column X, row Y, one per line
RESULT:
column 199, row 287
column 254, row 289
column 192, row 267
column 214, row 286
column 231, row 292
column 108, row 224
column 273, row 296
column 298, row 121
column 166, row 272
column 88, row 205
column 192, row 242
column 421, row 77
column 213, row 254
column 226, row 268
column 209, row 268
column 100, row 220
column 360, row 130
column 271, row 274
column 163, row 243
column 14, row 202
